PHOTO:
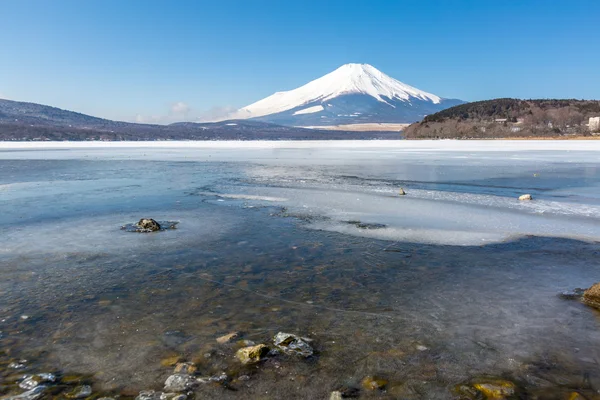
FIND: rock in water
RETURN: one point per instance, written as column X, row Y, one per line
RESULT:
column 335, row 395
column 228, row 338
column 292, row 344
column 148, row 225
column 32, row 394
column 149, row 395
column 80, row 392
column 525, row 197
column 575, row 294
column 491, row 389
column 179, row 383
column 252, row 354
column 591, row 296
column 401, row 192
column 185, row 368
column 31, row 381
column 373, row 383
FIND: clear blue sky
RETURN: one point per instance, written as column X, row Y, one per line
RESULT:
column 121, row 58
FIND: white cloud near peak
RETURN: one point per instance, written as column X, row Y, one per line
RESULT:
column 180, row 108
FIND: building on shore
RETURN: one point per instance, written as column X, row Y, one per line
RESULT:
column 594, row 124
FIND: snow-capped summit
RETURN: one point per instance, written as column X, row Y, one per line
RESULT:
column 353, row 93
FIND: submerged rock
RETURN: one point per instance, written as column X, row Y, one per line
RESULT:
column 373, row 383
column 80, row 392
column 591, row 296
column 335, row 395
column 292, row 344
column 31, row 381
column 149, row 395
column 228, row 338
column 218, row 378
column 16, row 365
column 32, row 394
column 170, row 361
column 366, row 225
column 574, row 294
column 491, row 389
column 525, row 197
column 152, row 395
column 252, row 354
column 185, row 368
column 179, row 383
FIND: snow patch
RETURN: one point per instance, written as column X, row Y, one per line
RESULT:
column 309, row 110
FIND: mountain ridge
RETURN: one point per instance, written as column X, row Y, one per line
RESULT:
column 25, row 121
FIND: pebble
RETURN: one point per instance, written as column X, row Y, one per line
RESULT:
column 17, row 365
column 336, row 395
column 420, row 347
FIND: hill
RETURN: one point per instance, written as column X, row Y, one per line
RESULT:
column 501, row 118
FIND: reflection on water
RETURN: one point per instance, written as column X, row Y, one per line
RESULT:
column 80, row 297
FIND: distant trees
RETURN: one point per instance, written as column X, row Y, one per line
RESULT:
column 508, row 118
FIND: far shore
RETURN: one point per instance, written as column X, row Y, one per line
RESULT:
column 513, row 144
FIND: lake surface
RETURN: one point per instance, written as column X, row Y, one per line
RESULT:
column 454, row 282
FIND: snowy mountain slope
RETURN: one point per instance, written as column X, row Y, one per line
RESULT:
column 353, row 93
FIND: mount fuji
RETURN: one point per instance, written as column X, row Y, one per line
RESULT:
column 352, row 94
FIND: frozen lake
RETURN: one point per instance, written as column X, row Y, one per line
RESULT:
column 457, row 279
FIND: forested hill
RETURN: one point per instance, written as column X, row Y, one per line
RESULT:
column 502, row 118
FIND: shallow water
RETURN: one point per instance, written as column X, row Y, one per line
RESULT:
column 454, row 281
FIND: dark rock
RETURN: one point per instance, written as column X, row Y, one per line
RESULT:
column 366, row 225
column 574, row 294
column 148, row 225
column 292, row 344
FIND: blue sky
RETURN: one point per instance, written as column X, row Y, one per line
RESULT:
column 163, row 60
